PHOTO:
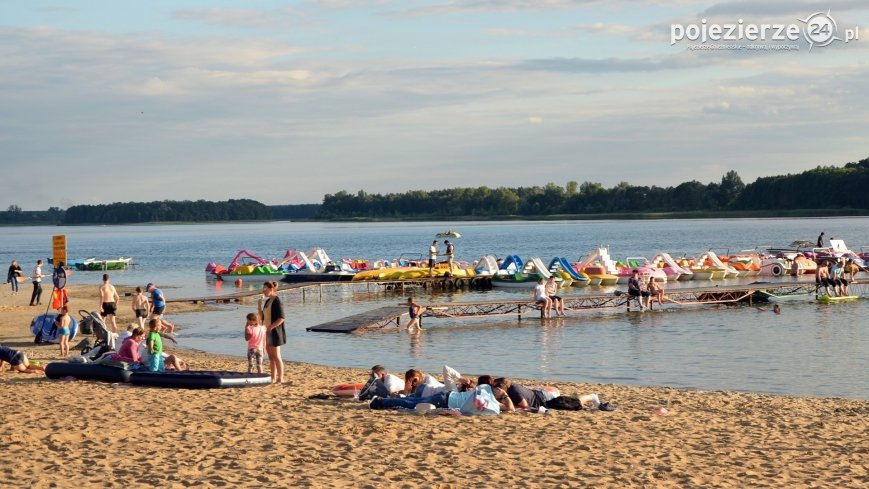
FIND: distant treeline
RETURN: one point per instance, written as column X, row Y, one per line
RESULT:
column 14, row 215
column 296, row 211
column 838, row 190
column 168, row 211
column 821, row 188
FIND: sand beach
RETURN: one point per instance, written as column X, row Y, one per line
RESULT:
column 87, row 434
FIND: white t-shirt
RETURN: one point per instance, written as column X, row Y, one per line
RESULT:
column 433, row 252
column 430, row 386
column 393, row 384
column 540, row 292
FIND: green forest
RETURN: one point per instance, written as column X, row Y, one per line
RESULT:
column 15, row 215
column 824, row 190
column 168, row 211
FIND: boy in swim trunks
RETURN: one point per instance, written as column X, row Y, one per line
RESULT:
column 109, row 301
column 140, row 307
column 63, row 322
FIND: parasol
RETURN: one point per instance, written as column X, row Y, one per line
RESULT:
column 449, row 234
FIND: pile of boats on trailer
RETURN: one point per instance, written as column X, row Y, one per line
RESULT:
column 594, row 269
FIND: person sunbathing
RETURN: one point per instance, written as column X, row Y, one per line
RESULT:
column 532, row 399
column 418, row 384
column 382, row 384
column 472, row 400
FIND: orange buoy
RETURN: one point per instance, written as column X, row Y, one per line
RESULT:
column 238, row 282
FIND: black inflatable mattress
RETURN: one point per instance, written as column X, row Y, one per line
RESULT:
column 86, row 371
column 199, row 379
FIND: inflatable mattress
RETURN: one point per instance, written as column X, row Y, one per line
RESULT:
column 86, row 371
column 199, row 379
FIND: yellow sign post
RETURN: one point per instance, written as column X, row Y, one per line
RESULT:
column 58, row 249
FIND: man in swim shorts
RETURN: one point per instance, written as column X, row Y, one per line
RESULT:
column 109, row 302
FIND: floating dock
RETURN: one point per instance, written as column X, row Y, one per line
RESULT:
column 676, row 298
column 573, row 303
column 377, row 318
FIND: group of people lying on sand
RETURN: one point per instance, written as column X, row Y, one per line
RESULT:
column 485, row 395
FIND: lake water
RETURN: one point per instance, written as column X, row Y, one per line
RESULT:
column 810, row 349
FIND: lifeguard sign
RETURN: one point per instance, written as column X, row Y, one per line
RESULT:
column 58, row 249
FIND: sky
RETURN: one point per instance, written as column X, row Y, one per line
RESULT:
column 284, row 102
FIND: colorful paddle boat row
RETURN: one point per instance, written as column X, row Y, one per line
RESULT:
column 295, row 266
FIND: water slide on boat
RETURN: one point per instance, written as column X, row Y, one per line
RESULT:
column 315, row 266
column 525, row 277
column 246, row 266
column 673, row 270
column 597, row 266
column 560, row 265
column 486, row 266
column 625, row 269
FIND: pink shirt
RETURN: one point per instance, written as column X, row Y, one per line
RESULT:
column 129, row 351
column 257, row 334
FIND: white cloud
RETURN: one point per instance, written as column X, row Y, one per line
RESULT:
column 212, row 104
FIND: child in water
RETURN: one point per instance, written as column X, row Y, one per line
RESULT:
column 155, row 346
column 255, row 335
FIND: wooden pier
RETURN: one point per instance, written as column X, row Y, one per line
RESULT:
column 378, row 318
column 676, row 298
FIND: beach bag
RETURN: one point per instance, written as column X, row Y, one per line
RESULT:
column 564, row 403
column 481, row 403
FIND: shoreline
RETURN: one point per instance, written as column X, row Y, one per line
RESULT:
column 242, row 437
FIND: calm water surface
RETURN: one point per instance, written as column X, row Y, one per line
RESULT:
column 810, row 349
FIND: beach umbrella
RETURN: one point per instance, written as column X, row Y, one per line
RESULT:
column 449, row 234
